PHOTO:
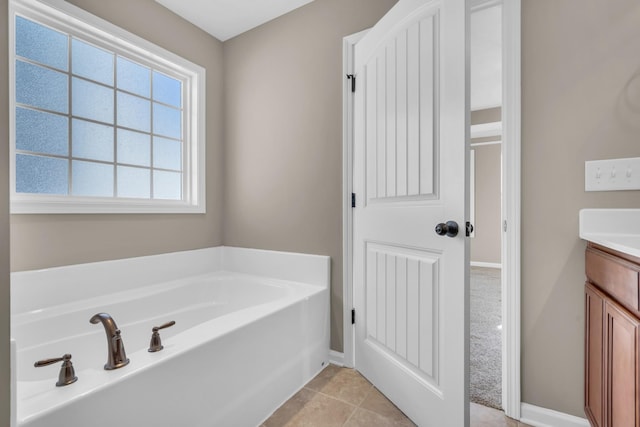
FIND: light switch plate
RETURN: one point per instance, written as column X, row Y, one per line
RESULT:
column 612, row 174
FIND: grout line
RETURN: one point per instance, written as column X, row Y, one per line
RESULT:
column 355, row 408
column 380, row 415
column 367, row 395
column 335, row 398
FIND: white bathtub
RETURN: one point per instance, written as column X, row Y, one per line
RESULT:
column 252, row 327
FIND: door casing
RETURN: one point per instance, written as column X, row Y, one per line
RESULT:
column 511, row 204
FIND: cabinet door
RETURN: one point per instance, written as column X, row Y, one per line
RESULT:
column 621, row 372
column 594, row 356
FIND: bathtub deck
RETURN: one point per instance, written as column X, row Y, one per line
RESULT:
column 342, row 397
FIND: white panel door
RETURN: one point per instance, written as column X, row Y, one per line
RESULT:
column 410, row 174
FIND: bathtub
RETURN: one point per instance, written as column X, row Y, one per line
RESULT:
column 252, row 328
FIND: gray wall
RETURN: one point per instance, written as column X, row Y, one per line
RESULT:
column 488, row 115
column 4, row 220
column 283, row 105
column 580, row 101
column 39, row 241
column 486, row 243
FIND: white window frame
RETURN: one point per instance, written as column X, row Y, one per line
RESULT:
column 75, row 21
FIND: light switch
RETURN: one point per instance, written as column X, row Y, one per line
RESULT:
column 612, row 174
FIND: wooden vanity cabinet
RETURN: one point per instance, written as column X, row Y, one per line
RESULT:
column 594, row 356
column 612, row 342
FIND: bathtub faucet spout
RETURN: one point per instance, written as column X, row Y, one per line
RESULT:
column 117, row 357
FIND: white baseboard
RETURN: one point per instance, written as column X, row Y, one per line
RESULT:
column 485, row 264
column 336, row 358
column 542, row 417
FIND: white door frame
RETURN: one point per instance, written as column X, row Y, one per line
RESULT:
column 511, row 108
column 348, row 44
column 511, row 393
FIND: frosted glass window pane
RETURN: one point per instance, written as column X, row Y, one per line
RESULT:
column 92, row 101
column 134, row 148
column 41, row 87
column 167, row 90
column 92, row 140
column 134, row 112
column 134, row 78
column 167, row 154
column 167, row 185
column 167, row 121
column 41, row 132
column 92, row 179
column 91, row 62
column 134, row 182
column 42, row 175
column 41, row 44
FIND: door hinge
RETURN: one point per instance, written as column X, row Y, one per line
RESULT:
column 353, row 81
column 504, row 225
column 353, row 316
column 353, row 200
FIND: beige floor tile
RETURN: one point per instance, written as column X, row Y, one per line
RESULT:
column 308, row 408
column 378, row 403
column 290, row 408
column 481, row 416
column 324, row 377
column 342, row 383
column 332, row 398
column 365, row 418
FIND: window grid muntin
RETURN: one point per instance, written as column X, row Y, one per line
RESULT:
column 70, row 75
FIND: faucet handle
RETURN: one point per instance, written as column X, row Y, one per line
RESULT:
column 67, row 373
column 156, row 342
column 166, row 325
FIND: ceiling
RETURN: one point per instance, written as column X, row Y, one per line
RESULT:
column 225, row 19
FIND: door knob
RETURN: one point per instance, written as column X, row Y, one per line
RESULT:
column 449, row 229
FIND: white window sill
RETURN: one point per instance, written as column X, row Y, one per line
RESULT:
column 71, row 205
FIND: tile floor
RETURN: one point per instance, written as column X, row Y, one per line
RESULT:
column 342, row 397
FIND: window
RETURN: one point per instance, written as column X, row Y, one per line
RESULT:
column 102, row 121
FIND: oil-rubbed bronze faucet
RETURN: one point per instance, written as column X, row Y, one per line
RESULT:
column 156, row 342
column 117, row 357
column 67, row 374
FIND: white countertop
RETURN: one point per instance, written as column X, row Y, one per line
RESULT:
column 617, row 229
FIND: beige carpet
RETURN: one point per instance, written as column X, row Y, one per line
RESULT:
column 485, row 338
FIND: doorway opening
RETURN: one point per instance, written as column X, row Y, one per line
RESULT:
column 485, row 200
column 500, row 129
